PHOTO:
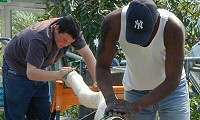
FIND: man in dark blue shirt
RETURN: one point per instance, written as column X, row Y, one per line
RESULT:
column 27, row 56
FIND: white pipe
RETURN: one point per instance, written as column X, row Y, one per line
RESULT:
column 86, row 96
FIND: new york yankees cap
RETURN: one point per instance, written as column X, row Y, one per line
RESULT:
column 141, row 17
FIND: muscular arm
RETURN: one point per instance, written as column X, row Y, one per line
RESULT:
column 174, row 37
column 106, row 51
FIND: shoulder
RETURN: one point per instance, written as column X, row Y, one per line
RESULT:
column 114, row 14
column 174, row 30
column 174, row 23
column 112, row 21
column 79, row 42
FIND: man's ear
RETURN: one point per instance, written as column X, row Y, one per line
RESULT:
column 56, row 27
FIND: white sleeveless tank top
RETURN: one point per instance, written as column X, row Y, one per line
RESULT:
column 145, row 66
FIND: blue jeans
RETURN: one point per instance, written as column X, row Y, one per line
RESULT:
column 24, row 98
column 174, row 107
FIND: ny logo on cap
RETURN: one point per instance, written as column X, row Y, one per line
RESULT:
column 138, row 24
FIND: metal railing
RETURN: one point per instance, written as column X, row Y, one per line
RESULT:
column 190, row 65
column 4, row 41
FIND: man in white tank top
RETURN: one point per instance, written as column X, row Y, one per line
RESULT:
column 154, row 79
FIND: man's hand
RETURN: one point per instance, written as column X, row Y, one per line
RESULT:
column 95, row 86
column 121, row 108
column 63, row 71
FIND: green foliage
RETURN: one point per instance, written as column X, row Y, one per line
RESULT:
column 89, row 12
column 72, row 112
column 188, row 12
column 23, row 19
column 0, row 27
column 161, row 3
column 195, row 108
column 1, row 115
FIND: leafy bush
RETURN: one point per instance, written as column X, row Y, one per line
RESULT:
column 23, row 19
column 1, row 115
column 195, row 108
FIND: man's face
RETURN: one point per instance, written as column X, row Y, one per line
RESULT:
column 62, row 39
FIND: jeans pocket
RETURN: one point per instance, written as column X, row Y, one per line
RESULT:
column 12, row 73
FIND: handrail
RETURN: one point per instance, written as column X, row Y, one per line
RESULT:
column 74, row 56
column 187, row 60
column 4, row 40
column 188, row 68
column 192, row 59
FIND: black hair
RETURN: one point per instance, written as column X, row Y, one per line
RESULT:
column 70, row 25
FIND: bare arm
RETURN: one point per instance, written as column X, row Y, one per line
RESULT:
column 174, row 37
column 90, row 60
column 106, row 51
column 37, row 74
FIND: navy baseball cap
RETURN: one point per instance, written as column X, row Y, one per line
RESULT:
column 141, row 17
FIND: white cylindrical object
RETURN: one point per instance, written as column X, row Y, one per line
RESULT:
column 86, row 96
